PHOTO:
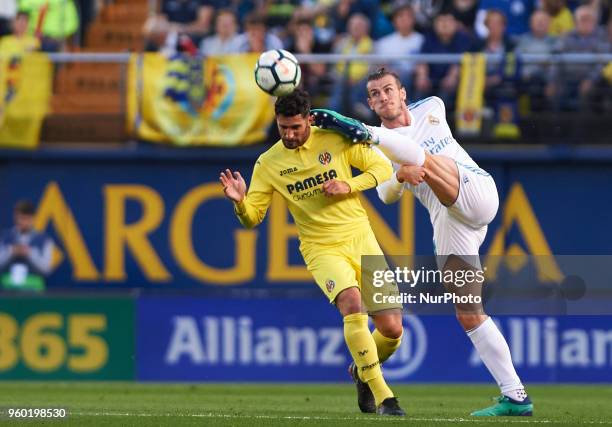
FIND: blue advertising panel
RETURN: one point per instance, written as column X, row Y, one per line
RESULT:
column 161, row 223
column 197, row 339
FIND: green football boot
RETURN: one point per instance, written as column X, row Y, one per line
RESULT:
column 506, row 407
column 353, row 129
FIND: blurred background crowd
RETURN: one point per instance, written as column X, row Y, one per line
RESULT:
column 379, row 27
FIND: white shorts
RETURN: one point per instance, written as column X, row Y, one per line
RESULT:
column 461, row 228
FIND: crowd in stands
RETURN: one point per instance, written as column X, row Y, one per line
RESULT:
column 385, row 27
column 409, row 27
column 46, row 25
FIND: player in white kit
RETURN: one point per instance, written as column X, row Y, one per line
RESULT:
column 461, row 199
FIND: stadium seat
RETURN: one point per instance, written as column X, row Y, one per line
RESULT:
column 113, row 37
column 125, row 13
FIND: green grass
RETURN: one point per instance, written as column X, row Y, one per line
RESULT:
column 133, row 404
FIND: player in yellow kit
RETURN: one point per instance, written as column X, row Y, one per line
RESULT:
column 311, row 169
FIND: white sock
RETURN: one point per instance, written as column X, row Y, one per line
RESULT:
column 495, row 354
column 399, row 148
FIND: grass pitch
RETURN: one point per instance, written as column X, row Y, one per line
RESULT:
column 133, row 404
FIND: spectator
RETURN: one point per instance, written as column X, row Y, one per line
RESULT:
column 464, row 12
column 191, row 17
column 61, row 21
column 602, row 8
column 8, row 10
column 496, row 43
column 256, row 37
column 25, row 254
column 606, row 81
column 534, row 76
column 315, row 77
column 573, row 83
column 425, row 11
column 279, row 12
column 441, row 79
column 502, row 77
column 562, row 21
column 348, row 94
column 517, row 13
column 225, row 40
column 344, row 9
column 404, row 41
column 20, row 41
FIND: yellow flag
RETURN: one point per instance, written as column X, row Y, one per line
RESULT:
column 25, row 90
column 470, row 96
column 187, row 101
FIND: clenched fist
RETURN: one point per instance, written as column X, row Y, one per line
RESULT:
column 411, row 174
column 335, row 187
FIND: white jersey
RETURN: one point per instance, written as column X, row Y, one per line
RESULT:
column 428, row 127
column 460, row 228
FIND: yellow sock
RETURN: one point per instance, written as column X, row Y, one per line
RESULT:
column 385, row 346
column 363, row 349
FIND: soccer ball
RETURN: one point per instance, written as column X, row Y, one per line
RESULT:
column 277, row 72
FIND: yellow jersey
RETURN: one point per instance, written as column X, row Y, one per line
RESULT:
column 298, row 175
column 358, row 69
column 17, row 46
column 562, row 23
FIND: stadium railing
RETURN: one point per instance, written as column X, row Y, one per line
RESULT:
column 88, row 103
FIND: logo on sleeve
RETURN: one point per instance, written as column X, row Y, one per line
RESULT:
column 330, row 285
column 325, row 158
column 433, row 120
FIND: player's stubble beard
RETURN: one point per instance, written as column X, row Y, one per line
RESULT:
column 395, row 113
column 295, row 143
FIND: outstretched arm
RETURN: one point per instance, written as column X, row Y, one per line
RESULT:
column 250, row 209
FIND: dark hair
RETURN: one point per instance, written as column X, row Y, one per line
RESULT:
column 22, row 14
column 400, row 6
column 383, row 72
column 225, row 11
column 24, row 207
column 495, row 12
column 304, row 21
column 446, row 11
column 254, row 19
column 297, row 102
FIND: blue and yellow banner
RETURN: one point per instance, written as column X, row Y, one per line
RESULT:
column 139, row 222
column 189, row 101
column 25, row 90
column 191, row 338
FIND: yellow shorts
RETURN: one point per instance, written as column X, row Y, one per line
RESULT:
column 338, row 267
